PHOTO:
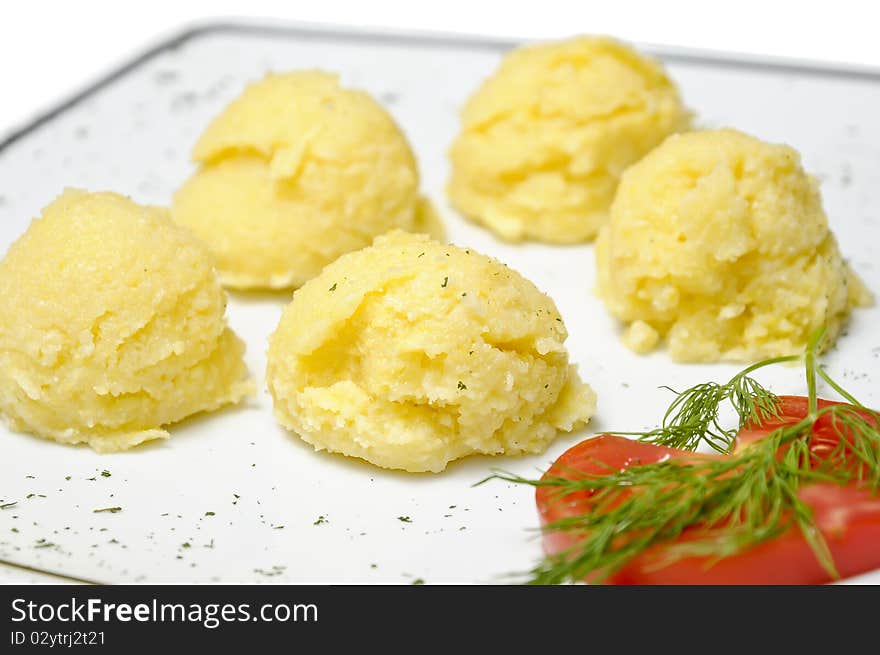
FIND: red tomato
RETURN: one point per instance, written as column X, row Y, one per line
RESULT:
column 793, row 409
column 599, row 455
column 848, row 518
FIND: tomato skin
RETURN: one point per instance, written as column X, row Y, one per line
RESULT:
column 791, row 410
column 596, row 456
column 848, row 517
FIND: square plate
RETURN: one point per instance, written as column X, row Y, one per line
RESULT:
column 132, row 133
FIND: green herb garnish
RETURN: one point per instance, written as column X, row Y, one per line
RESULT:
column 737, row 502
column 692, row 418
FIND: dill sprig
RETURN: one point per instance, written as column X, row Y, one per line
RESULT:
column 693, row 417
column 728, row 504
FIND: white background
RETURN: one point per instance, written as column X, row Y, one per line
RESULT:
column 49, row 49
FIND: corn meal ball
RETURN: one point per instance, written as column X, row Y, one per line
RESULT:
column 719, row 243
column 294, row 173
column 112, row 325
column 410, row 354
column 544, row 140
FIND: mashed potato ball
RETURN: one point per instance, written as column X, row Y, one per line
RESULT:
column 545, row 139
column 294, row 173
column 718, row 241
column 112, row 325
column 410, row 354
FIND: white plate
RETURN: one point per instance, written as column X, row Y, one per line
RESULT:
column 132, row 134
